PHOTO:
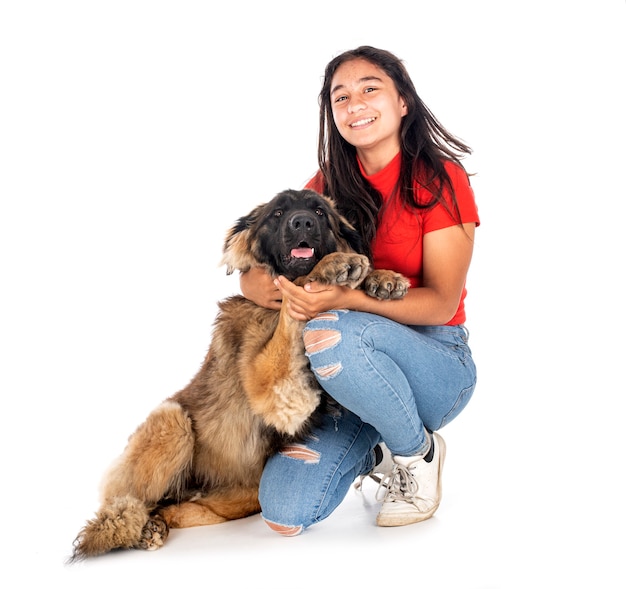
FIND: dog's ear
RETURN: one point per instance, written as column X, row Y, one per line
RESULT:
column 349, row 239
column 351, row 236
column 237, row 251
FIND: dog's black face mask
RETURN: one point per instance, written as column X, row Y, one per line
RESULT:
column 296, row 229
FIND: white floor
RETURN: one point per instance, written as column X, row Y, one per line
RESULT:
column 517, row 512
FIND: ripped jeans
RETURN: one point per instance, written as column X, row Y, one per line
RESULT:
column 392, row 381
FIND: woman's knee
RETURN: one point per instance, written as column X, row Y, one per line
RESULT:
column 282, row 514
column 320, row 335
column 284, row 502
column 284, row 529
column 325, row 339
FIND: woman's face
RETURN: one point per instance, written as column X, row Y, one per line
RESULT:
column 367, row 108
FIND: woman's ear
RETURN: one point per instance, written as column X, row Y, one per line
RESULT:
column 403, row 108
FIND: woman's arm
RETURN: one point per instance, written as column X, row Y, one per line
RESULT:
column 447, row 256
column 257, row 286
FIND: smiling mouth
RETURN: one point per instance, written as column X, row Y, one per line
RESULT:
column 362, row 122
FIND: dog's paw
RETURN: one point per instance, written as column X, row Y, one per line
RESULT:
column 386, row 284
column 345, row 269
column 154, row 533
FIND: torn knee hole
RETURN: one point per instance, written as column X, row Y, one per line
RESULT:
column 316, row 340
column 284, row 530
column 328, row 371
column 300, row 452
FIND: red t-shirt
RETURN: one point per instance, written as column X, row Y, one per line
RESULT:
column 398, row 243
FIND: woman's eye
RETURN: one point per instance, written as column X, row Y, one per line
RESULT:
column 340, row 98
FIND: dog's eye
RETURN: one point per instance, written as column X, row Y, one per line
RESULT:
column 319, row 211
column 278, row 213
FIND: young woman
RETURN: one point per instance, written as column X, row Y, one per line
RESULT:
column 400, row 370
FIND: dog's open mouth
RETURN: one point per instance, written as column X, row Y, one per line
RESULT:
column 302, row 252
column 299, row 261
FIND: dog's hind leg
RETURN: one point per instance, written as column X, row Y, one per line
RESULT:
column 155, row 463
column 217, row 506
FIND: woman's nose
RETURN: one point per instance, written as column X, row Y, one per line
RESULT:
column 356, row 104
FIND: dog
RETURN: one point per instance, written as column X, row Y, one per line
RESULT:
column 198, row 457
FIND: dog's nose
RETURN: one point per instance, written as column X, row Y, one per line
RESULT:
column 302, row 221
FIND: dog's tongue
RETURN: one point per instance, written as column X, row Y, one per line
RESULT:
column 302, row 252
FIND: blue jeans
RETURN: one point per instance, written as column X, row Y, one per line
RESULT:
column 392, row 382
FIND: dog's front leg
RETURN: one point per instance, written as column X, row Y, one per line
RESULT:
column 278, row 381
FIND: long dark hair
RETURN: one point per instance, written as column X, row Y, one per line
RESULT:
column 425, row 146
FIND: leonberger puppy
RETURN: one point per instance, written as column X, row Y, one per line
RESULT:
column 197, row 459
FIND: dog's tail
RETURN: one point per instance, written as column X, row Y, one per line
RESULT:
column 120, row 523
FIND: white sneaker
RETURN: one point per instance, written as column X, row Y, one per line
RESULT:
column 412, row 492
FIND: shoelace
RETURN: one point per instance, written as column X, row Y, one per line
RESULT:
column 400, row 485
column 370, row 475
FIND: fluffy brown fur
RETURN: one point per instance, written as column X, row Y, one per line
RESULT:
column 198, row 457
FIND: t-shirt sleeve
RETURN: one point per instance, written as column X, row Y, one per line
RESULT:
column 439, row 218
column 316, row 183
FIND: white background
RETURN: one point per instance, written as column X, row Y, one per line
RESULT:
column 133, row 133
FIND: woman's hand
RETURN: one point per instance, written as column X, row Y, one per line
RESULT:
column 304, row 303
column 257, row 286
